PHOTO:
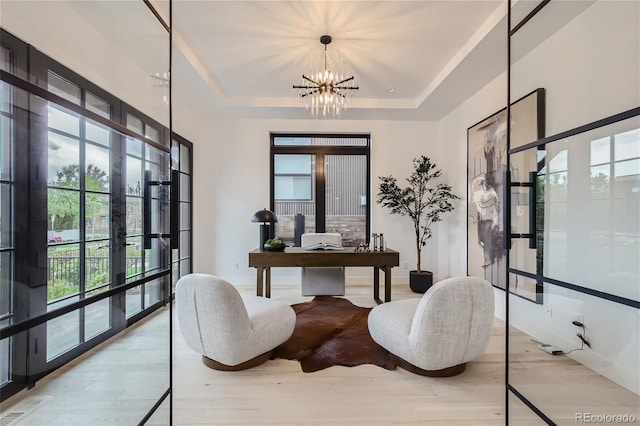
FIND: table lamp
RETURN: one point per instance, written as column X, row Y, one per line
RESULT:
column 267, row 218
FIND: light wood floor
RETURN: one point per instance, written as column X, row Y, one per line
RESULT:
column 117, row 383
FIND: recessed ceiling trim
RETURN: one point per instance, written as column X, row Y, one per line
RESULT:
column 494, row 19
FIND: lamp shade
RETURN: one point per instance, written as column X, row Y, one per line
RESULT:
column 264, row 215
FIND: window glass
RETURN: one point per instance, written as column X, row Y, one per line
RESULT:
column 627, row 145
column 185, row 165
column 134, row 124
column 134, row 176
column 98, row 133
column 6, row 225
column 6, row 156
column 134, row 257
column 97, row 266
column 185, row 187
column 64, row 272
column 185, row 215
column 6, row 97
column 292, row 187
column 152, row 133
column 600, row 151
column 600, row 176
column 5, row 59
column 63, row 332
column 63, row 88
column 291, row 140
column 63, row 121
column 134, row 215
column 95, row 104
column 291, row 163
column 96, row 316
column 64, row 215
column 134, row 147
column 175, row 155
column 96, row 216
column 63, row 161
column 97, row 168
column 627, row 168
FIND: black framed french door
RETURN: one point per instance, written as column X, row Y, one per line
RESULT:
column 82, row 192
column 573, row 203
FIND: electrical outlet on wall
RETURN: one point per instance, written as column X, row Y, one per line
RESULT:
column 548, row 310
column 236, row 265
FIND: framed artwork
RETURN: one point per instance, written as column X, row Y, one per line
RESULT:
column 487, row 153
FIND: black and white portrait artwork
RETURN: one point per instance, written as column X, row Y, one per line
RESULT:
column 487, row 144
column 487, row 161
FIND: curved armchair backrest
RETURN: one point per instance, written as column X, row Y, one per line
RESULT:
column 453, row 321
column 210, row 313
column 311, row 238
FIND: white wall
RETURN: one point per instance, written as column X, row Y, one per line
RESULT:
column 590, row 69
column 452, row 131
column 232, row 170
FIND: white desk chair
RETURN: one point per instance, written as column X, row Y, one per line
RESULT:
column 322, row 281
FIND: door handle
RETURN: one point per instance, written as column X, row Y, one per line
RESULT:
column 533, row 197
column 174, row 208
column 532, row 184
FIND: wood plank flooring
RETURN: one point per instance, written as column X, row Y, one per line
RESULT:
column 117, row 383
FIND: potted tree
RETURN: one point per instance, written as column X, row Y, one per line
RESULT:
column 425, row 202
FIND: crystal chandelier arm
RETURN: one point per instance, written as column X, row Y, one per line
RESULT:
column 346, row 87
column 344, row 81
column 304, row 77
column 309, row 93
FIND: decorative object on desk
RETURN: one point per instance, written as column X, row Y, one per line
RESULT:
column 324, row 246
column 424, row 202
column 377, row 242
column 267, row 218
column 362, row 247
column 274, row 244
column 332, row 331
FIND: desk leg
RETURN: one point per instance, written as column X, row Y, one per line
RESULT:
column 387, row 284
column 259, row 281
column 376, row 285
column 267, row 289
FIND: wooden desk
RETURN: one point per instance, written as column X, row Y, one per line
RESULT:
column 263, row 261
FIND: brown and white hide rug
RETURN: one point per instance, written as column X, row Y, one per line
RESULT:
column 332, row 331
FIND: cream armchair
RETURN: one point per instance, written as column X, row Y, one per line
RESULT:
column 322, row 281
column 438, row 333
column 232, row 332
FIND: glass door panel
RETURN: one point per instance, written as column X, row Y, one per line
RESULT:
column 346, row 197
column 583, row 205
column 294, row 194
column 7, row 224
column 74, row 186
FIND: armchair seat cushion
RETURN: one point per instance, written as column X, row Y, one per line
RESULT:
column 229, row 330
column 444, row 329
column 391, row 322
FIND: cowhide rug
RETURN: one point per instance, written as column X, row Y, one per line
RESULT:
column 332, row 331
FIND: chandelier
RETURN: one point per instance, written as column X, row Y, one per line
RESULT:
column 323, row 90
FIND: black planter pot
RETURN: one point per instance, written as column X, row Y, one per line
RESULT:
column 420, row 282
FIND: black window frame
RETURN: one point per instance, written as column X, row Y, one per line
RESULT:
column 320, row 151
